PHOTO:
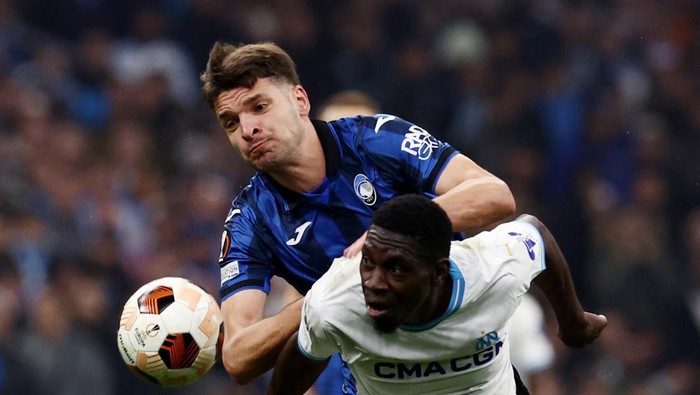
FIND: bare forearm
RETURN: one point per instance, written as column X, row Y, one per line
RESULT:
column 557, row 285
column 294, row 373
column 475, row 204
column 576, row 326
column 555, row 282
column 253, row 350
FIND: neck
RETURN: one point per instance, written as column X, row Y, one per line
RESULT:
column 309, row 167
column 435, row 305
column 443, row 295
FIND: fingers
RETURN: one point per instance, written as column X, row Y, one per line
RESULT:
column 355, row 248
column 580, row 336
column 600, row 325
column 352, row 251
column 603, row 319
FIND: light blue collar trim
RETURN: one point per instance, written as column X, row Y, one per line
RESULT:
column 458, row 289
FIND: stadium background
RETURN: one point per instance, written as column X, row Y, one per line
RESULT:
column 114, row 172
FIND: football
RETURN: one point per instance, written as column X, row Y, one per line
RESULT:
column 168, row 332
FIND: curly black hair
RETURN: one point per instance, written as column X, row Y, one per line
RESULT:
column 421, row 219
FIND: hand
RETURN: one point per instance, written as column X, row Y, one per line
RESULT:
column 579, row 334
column 355, row 248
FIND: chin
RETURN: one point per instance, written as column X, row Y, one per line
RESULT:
column 385, row 326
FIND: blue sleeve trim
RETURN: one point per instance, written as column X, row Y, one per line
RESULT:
column 445, row 157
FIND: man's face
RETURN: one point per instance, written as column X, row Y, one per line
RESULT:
column 264, row 123
column 395, row 282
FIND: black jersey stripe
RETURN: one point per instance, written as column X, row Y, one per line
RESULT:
column 257, row 283
column 444, row 155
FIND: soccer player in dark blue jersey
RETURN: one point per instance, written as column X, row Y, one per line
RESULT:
column 315, row 190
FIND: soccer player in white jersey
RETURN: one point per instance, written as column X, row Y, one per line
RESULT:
column 418, row 314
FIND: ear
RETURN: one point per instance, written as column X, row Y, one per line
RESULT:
column 442, row 271
column 301, row 99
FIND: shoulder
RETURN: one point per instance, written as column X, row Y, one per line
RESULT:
column 343, row 274
column 508, row 241
column 247, row 202
column 387, row 134
column 337, row 287
column 371, row 125
column 248, row 193
column 517, row 230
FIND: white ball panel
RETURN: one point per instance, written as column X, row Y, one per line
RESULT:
column 148, row 332
column 206, row 323
column 126, row 348
column 177, row 318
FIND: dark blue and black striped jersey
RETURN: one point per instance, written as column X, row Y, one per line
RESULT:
column 271, row 230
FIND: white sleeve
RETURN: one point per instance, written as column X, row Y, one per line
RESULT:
column 524, row 244
column 314, row 340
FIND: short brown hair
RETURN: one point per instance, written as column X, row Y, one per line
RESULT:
column 231, row 66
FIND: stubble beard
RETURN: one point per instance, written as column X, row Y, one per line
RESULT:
column 275, row 161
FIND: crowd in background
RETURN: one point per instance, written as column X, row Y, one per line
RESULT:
column 113, row 171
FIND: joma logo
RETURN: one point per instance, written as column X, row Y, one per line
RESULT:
column 299, row 233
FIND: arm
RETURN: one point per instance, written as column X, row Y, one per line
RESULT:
column 251, row 343
column 294, row 372
column 472, row 197
column 576, row 326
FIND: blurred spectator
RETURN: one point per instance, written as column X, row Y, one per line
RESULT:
column 147, row 52
column 93, row 105
column 15, row 37
column 13, row 376
column 203, row 22
column 417, row 71
column 691, row 256
column 360, row 61
column 109, row 159
column 346, row 104
column 52, row 353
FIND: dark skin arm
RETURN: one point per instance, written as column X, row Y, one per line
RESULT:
column 294, row 372
column 576, row 326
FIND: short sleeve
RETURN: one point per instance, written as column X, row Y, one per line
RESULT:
column 524, row 244
column 244, row 262
column 405, row 151
column 314, row 339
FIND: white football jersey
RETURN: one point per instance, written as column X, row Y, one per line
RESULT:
column 464, row 351
column 531, row 351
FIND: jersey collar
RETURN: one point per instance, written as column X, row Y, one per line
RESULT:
column 329, row 144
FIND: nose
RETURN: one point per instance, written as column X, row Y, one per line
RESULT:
column 375, row 280
column 248, row 127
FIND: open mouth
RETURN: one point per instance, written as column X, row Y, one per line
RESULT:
column 376, row 309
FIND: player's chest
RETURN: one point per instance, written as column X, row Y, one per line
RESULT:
column 422, row 359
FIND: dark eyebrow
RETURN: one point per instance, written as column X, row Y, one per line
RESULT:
column 253, row 98
column 246, row 102
column 224, row 114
